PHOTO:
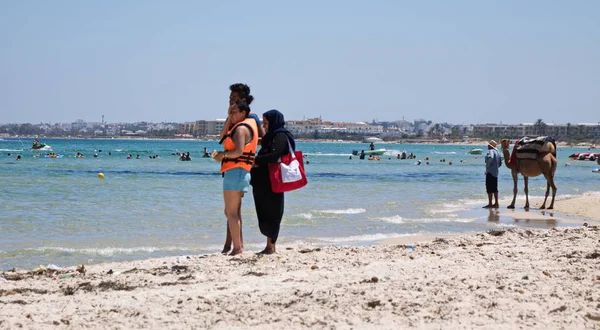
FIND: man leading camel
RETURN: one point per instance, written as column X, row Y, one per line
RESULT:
column 492, row 164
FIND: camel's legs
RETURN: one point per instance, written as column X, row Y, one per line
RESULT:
column 546, row 197
column 515, row 177
column 550, row 180
column 526, row 180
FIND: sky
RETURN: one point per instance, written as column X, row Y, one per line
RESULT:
column 461, row 62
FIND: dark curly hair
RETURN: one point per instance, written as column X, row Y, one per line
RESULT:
column 243, row 91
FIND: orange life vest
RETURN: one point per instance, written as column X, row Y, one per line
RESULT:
column 246, row 160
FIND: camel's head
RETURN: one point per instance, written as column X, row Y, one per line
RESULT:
column 505, row 143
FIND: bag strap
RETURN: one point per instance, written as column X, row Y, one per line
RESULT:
column 290, row 147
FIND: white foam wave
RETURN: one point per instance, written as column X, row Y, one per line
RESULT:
column 400, row 220
column 11, row 149
column 445, row 152
column 112, row 251
column 307, row 216
column 346, row 211
column 220, row 247
column 450, row 209
column 361, row 238
column 449, row 219
column 503, row 225
column 393, row 219
column 108, row 251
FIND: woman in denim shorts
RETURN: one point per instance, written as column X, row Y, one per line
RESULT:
column 237, row 159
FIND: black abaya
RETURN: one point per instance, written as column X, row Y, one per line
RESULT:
column 269, row 205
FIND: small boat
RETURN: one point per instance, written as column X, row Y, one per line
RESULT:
column 42, row 147
column 37, row 146
column 475, row 151
column 376, row 152
column 585, row 156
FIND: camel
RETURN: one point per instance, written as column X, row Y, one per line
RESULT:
column 545, row 164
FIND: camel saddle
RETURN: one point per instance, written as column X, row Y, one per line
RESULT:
column 530, row 148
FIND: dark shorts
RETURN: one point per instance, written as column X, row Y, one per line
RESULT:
column 491, row 183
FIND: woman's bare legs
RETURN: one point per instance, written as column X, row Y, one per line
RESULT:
column 233, row 202
column 227, row 245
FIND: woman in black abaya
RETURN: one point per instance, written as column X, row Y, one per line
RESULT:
column 269, row 205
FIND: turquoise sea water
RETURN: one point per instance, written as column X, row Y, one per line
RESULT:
column 56, row 210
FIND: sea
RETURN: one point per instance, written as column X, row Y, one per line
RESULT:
column 58, row 211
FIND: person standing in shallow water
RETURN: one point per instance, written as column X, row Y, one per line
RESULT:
column 269, row 205
column 492, row 164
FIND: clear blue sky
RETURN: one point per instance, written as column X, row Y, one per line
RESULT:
column 446, row 61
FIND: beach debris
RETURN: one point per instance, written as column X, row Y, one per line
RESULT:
column 81, row 269
column 86, row 286
column 179, row 268
column 185, row 278
column 496, row 232
column 110, row 272
column 109, row 285
column 53, row 267
column 525, row 277
column 39, row 270
column 559, row 309
column 253, row 273
column 133, row 270
column 69, row 291
column 68, row 275
column 411, row 247
column 309, row 250
column 593, row 316
column 547, row 273
column 374, row 303
column 593, row 255
column 373, row 279
column 314, row 267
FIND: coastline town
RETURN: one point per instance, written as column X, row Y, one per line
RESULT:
column 419, row 130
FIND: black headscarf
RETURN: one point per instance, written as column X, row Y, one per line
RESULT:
column 276, row 126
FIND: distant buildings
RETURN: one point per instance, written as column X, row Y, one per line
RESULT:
column 587, row 130
column 313, row 128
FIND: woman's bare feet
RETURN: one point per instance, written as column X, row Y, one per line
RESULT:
column 236, row 252
column 267, row 251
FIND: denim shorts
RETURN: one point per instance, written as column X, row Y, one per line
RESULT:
column 237, row 179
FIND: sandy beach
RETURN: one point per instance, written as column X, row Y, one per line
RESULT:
column 503, row 279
